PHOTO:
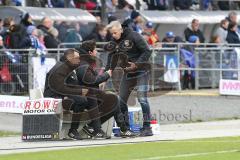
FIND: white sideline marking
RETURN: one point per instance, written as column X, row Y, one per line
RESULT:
column 189, row 155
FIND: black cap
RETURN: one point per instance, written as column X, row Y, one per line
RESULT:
column 111, row 18
column 134, row 14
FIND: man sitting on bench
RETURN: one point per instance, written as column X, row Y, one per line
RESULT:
column 57, row 86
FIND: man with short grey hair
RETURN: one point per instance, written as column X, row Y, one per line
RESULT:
column 134, row 53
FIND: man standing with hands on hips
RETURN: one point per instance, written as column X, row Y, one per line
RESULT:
column 133, row 52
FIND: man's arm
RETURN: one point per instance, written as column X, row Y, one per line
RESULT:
column 143, row 48
column 57, row 84
column 112, row 61
column 85, row 74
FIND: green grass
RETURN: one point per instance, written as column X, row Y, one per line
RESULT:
column 140, row 151
column 8, row 134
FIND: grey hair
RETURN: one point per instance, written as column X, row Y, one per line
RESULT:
column 233, row 13
column 115, row 24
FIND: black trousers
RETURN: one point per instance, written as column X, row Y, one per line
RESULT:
column 99, row 110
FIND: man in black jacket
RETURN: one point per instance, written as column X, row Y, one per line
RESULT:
column 133, row 48
column 193, row 29
column 56, row 86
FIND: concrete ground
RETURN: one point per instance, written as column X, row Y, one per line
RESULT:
column 170, row 132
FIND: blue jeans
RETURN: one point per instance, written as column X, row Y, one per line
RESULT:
column 138, row 80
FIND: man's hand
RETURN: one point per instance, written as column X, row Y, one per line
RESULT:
column 84, row 92
column 109, row 72
column 131, row 68
column 102, row 86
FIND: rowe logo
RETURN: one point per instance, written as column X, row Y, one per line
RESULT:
column 229, row 87
column 41, row 106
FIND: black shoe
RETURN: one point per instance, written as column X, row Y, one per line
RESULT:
column 144, row 132
column 100, row 134
column 88, row 130
column 73, row 134
column 128, row 133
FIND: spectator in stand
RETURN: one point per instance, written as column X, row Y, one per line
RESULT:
column 215, row 39
column 14, row 38
column 85, row 4
column 157, row 4
column 53, row 31
column 150, row 35
column 223, row 5
column 233, row 35
column 187, row 56
column 222, row 31
column 1, row 25
column 127, row 4
column 7, row 22
column 195, row 5
column 125, row 9
column 194, row 40
column 32, row 41
column 193, row 29
column 111, row 6
column 62, row 29
column 1, row 43
column 26, row 20
column 37, row 3
column 99, row 35
column 40, row 36
column 69, row 4
column 135, row 22
column 232, row 17
column 2, row 56
column 207, row 5
column 49, row 39
column 72, row 35
column 182, row 4
column 170, row 37
column 55, row 3
column 11, row 2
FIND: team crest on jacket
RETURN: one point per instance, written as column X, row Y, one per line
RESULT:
column 126, row 45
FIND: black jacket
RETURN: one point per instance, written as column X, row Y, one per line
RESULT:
column 56, row 85
column 131, row 44
column 189, row 32
column 182, row 4
column 50, row 41
column 232, row 37
column 97, row 37
column 152, row 5
column 88, row 76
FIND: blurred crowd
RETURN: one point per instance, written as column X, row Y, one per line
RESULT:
column 139, row 4
column 50, row 34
